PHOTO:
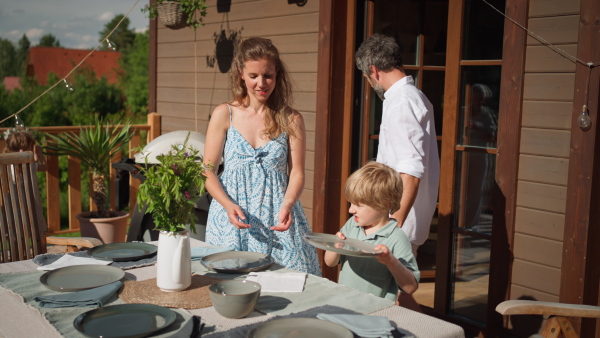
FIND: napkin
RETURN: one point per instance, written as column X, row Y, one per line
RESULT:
column 364, row 326
column 278, row 281
column 200, row 252
column 69, row 260
column 92, row 297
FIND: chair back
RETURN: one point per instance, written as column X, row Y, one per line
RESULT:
column 22, row 223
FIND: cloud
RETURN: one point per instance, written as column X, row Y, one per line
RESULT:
column 34, row 33
column 44, row 24
column 141, row 30
column 106, row 16
column 14, row 34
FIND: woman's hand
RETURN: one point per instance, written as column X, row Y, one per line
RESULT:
column 285, row 219
column 235, row 213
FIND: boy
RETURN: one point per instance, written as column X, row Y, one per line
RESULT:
column 374, row 192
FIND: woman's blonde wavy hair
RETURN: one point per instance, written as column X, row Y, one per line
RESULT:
column 278, row 117
column 376, row 185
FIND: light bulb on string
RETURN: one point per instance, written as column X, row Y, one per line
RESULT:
column 583, row 120
column 111, row 45
column 19, row 124
column 68, row 85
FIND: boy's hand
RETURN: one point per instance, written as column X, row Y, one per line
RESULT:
column 385, row 257
column 341, row 236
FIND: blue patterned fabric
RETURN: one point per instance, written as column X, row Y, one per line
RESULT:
column 256, row 180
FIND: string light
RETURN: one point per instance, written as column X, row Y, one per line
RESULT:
column 583, row 120
column 19, row 124
column 111, row 45
column 76, row 66
column 68, row 85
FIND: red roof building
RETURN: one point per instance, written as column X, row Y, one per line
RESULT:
column 44, row 60
column 11, row 83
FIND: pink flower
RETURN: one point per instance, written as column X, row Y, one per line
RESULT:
column 187, row 195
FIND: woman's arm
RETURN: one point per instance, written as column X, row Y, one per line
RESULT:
column 213, row 150
column 296, row 159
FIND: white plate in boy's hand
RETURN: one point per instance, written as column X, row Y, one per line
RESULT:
column 349, row 247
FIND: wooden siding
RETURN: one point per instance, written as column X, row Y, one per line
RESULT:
column 189, row 81
column 544, row 150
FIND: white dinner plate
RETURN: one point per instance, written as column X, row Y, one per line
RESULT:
column 81, row 277
column 237, row 261
column 299, row 328
column 349, row 247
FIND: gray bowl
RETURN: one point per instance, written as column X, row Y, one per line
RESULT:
column 234, row 298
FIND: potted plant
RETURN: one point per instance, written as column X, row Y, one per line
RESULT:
column 170, row 192
column 94, row 147
column 177, row 14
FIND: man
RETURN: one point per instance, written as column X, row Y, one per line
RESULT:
column 407, row 138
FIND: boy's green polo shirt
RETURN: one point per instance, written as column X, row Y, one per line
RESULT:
column 366, row 273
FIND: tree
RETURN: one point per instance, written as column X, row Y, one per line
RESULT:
column 123, row 37
column 49, row 40
column 134, row 79
column 22, row 52
column 8, row 57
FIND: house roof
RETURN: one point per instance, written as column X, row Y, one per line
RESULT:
column 11, row 83
column 43, row 60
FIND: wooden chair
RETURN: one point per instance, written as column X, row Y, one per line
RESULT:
column 22, row 223
column 558, row 323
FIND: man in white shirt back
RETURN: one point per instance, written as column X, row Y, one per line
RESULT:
column 407, row 138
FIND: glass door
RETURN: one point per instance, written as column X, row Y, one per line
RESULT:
column 419, row 28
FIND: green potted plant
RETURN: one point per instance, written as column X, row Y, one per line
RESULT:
column 94, row 147
column 170, row 192
column 177, row 14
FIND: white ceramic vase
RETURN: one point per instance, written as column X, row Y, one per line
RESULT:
column 174, row 263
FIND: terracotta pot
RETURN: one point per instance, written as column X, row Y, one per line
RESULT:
column 108, row 230
column 173, row 264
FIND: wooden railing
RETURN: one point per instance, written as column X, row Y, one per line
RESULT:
column 74, row 175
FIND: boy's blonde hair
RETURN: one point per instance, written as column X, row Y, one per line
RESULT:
column 375, row 185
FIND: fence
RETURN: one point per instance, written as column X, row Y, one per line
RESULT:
column 74, row 175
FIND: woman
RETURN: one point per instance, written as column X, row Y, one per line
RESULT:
column 255, row 206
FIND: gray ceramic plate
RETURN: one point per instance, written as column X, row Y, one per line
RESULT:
column 81, row 277
column 237, row 261
column 119, row 252
column 349, row 247
column 299, row 328
column 124, row 320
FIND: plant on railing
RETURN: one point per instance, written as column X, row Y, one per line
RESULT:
column 94, row 146
column 177, row 14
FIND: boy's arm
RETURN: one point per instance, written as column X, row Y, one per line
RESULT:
column 403, row 276
column 331, row 258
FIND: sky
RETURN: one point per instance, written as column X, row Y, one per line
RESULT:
column 75, row 23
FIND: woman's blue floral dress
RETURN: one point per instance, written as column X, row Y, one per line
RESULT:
column 256, row 180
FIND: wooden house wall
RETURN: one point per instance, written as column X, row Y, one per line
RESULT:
column 544, row 151
column 190, row 82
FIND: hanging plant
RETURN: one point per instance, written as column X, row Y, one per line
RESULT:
column 178, row 14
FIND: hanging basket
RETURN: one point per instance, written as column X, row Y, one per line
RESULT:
column 171, row 14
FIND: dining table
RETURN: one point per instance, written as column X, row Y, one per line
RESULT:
column 22, row 316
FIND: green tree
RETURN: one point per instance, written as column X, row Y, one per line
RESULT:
column 123, row 37
column 22, row 52
column 8, row 57
column 49, row 40
column 134, row 79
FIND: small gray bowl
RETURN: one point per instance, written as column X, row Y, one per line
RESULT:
column 234, row 298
